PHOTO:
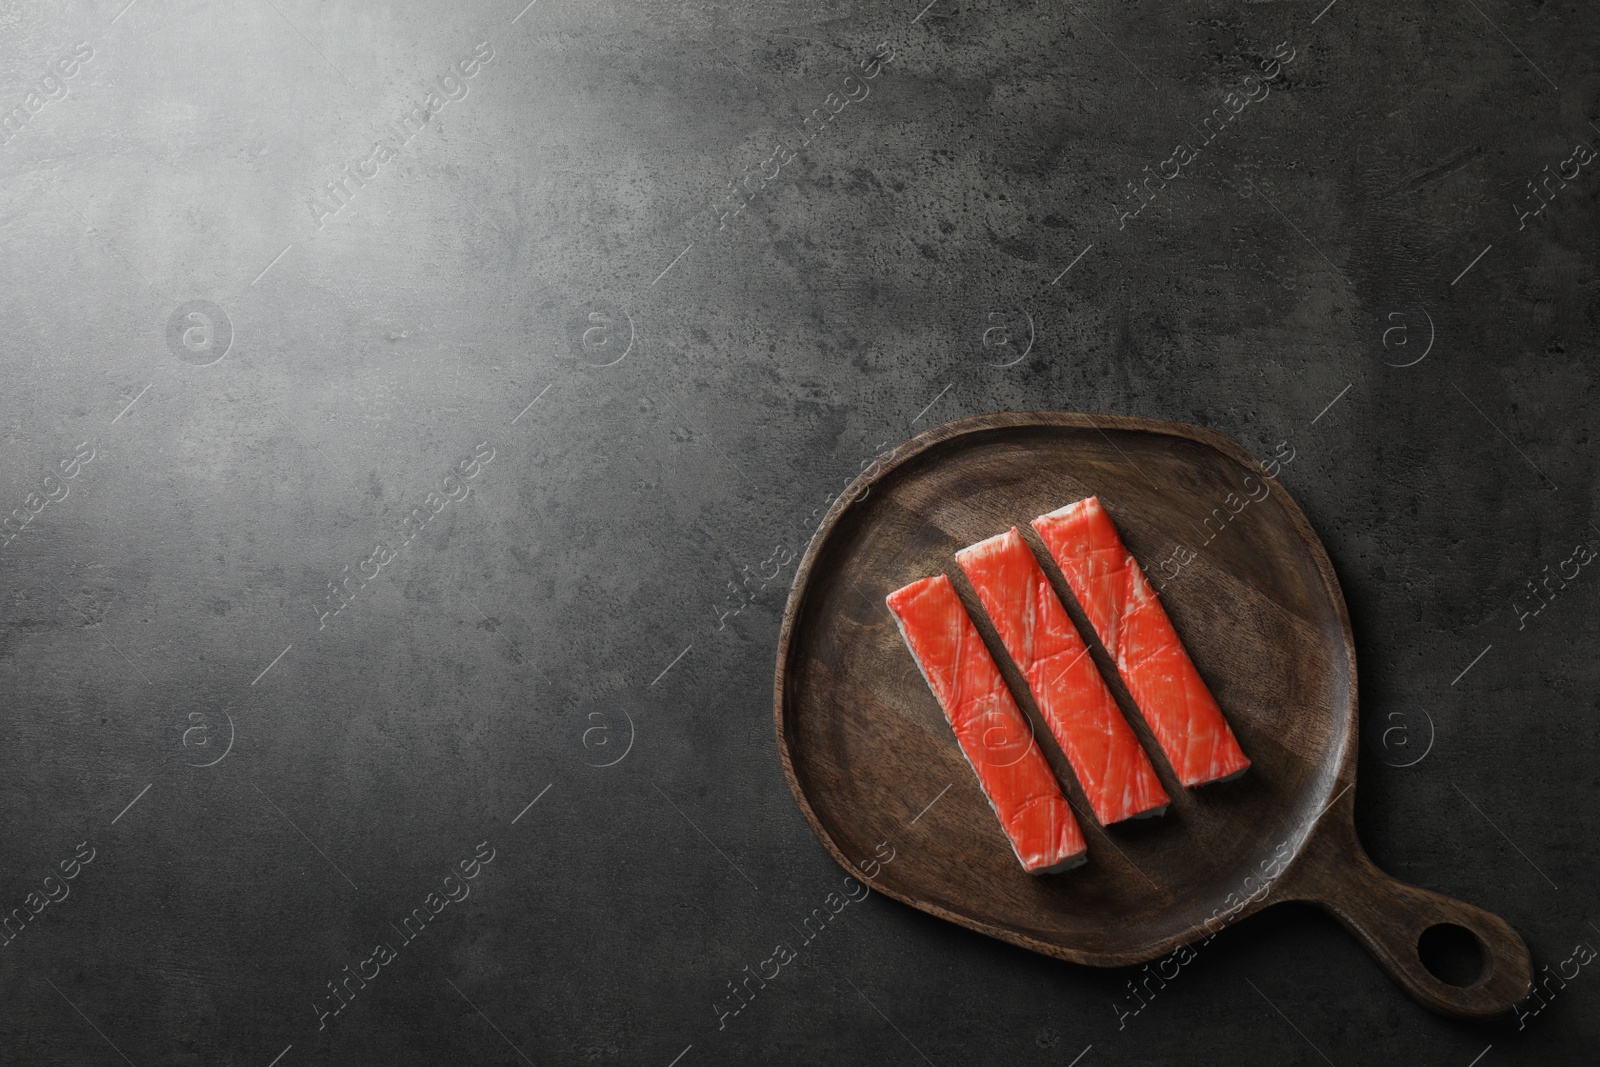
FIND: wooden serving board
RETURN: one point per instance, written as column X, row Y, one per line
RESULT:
column 866, row 749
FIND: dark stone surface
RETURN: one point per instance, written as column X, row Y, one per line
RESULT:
column 504, row 651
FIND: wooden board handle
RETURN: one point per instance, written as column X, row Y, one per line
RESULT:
column 1389, row 917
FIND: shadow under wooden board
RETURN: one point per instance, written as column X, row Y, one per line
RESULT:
column 866, row 749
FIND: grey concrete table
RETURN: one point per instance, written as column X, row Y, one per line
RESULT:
column 412, row 412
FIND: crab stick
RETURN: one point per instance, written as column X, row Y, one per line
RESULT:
column 1134, row 627
column 992, row 732
column 1073, row 699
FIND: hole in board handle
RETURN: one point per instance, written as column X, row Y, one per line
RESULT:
column 1453, row 954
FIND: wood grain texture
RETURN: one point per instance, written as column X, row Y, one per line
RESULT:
column 865, row 747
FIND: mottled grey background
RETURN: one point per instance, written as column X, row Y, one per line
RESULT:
column 638, row 516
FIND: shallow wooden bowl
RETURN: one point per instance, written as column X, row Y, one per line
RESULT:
column 866, row 749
